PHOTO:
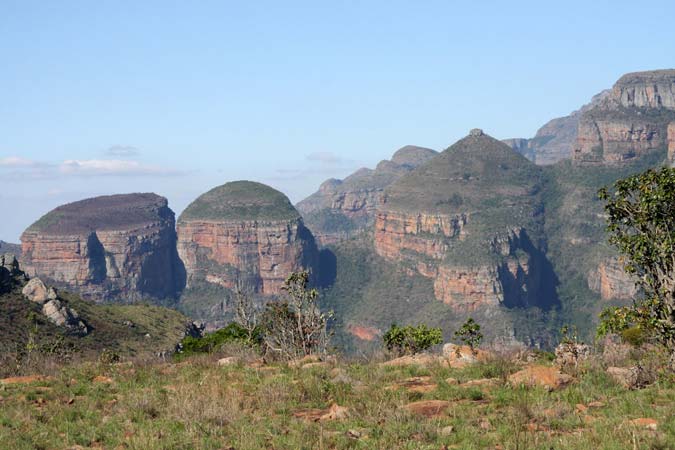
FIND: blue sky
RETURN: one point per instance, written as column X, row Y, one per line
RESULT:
column 177, row 97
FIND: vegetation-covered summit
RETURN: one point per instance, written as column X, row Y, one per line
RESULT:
column 474, row 173
column 108, row 212
column 241, row 200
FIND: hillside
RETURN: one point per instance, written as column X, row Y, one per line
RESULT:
column 127, row 330
column 343, row 208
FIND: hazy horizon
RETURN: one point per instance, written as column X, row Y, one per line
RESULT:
column 176, row 99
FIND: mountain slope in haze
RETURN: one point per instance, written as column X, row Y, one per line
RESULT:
column 555, row 140
column 343, row 208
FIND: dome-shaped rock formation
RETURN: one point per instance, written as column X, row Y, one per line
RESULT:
column 116, row 247
column 471, row 220
column 247, row 232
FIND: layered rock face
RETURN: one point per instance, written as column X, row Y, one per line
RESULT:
column 632, row 121
column 118, row 247
column 342, row 208
column 464, row 220
column 555, row 140
column 611, row 281
column 244, row 232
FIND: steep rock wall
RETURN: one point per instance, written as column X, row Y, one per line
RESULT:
column 261, row 253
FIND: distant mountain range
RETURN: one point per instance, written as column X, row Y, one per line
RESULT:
column 476, row 230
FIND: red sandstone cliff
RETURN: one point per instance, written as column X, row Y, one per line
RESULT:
column 244, row 232
column 632, row 121
column 111, row 247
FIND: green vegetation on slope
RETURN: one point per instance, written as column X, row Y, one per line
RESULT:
column 241, row 200
column 575, row 230
column 123, row 329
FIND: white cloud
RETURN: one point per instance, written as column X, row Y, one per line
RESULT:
column 112, row 167
column 19, row 162
column 122, row 151
column 325, row 158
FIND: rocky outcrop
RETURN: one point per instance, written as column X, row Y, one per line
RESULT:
column 671, row 143
column 107, row 248
column 9, row 270
column 52, row 307
column 6, row 247
column 632, row 121
column 463, row 221
column 342, row 208
column 611, row 281
column 555, row 140
column 244, row 232
column 652, row 89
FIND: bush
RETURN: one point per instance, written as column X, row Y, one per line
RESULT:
column 295, row 327
column 212, row 342
column 411, row 339
column 470, row 333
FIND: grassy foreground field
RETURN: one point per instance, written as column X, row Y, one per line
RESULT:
column 247, row 405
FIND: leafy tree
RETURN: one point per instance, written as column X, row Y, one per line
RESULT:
column 295, row 326
column 641, row 223
column 470, row 334
column 411, row 339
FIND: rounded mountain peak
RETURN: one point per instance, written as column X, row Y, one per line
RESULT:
column 241, row 200
column 108, row 212
column 412, row 155
column 477, row 172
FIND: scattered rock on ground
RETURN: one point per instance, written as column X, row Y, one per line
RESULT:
column 463, row 355
column 568, row 355
column 230, row 360
column 25, row 379
column 334, row 412
column 483, row 382
column 428, row 408
column 415, row 384
column 628, row 377
column 102, row 379
column 643, row 422
column 549, row 377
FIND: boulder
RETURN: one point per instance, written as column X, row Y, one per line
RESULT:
column 36, row 291
column 628, row 377
column 548, row 377
column 568, row 355
column 427, row 408
column 63, row 316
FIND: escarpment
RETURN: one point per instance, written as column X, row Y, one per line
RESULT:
column 117, row 247
column 342, row 208
column 471, row 220
column 244, row 232
column 632, row 121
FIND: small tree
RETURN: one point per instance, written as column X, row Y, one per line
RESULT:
column 245, row 309
column 295, row 326
column 411, row 339
column 641, row 223
column 470, row 334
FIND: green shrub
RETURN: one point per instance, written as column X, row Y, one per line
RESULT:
column 411, row 339
column 470, row 333
column 211, row 342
